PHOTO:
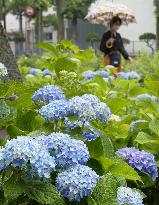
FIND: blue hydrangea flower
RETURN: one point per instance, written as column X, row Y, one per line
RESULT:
column 88, row 75
column 102, row 111
column 91, row 98
column 132, row 75
column 72, row 124
column 133, row 124
column 67, row 152
column 25, row 151
column 123, row 75
column 48, row 94
column 147, row 97
column 129, row 196
column 102, row 73
column 141, row 160
column 46, row 72
column 77, row 182
column 91, row 134
column 54, row 111
column 35, row 71
column 82, row 109
column 88, row 107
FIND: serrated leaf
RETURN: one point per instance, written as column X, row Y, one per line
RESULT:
column 105, row 192
column 101, row 147
column 122, row 169
column 44, row 193
column 154, row 126
column 13, row 187
column 144, row 138
column 116, row 104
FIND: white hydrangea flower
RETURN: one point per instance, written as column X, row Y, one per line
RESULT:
column 114, row 118
column 3, row 70
column 110, row 67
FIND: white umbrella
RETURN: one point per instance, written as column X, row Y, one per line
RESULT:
column 102, row 11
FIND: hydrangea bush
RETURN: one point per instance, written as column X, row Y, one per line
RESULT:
column 82, row 137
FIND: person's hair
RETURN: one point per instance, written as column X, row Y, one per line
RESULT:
column 115, row 19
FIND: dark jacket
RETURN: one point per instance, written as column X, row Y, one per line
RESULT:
column 117, row 45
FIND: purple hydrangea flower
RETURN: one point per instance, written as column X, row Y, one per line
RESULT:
column 141, row 160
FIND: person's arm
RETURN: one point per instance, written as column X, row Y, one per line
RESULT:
column 103, row 47
column 122, row 49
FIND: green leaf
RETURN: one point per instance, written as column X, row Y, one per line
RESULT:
column 14, row 131
column 106, row 163
column 105, row 192
column 13, row 187
column 144, row 138
column 44, row 193
column 48, row 47
column 137, row 91
column 122, row 169
column 116, row 104
column 101, row 147
column 154, row 126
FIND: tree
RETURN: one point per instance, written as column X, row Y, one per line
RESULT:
column 156, row 3
column 17, row 7
column 60, row 18
column 92, row 38
column 50, row 20
column 7, row 57
column 149, row 39
column 39, row 6
column 74, row 9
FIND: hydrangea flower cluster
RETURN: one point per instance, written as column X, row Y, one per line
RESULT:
column 48, row 94
column 132, row 75
column 68, row 152
column 132, row 125
column 3, row 70
column 147, row 97
column 88, row 107
column 77, row 182
column 141, row 160
column 129, row 196
column 23, row 151
column 89, row 75
column 91, row 134
column 35, row 72
column 55, row 110
column 114, row 118
column 43, row 154
column 46, row 72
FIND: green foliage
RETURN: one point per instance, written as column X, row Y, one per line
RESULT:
column 147, row 36
column 44, row 193
column 76, row 8
column 105, row 192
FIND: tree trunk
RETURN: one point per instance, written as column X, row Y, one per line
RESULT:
column 60, row 17
column 21, row 33
column 7, row 57
column 74, row 30
column 38, row 28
